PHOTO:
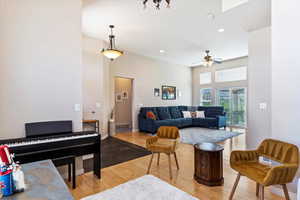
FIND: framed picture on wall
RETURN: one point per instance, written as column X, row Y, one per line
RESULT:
column 156, row 92
column 119, row 98
column 124, row 95
column 168, row 92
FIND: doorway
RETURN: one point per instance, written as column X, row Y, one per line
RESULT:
column 123, row 104
column 235, row 104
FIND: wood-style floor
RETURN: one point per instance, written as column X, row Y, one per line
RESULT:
column 87, row 184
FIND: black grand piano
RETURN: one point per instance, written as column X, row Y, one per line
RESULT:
column 53, row 140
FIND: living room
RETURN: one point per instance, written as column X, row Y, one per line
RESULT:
column 216, row 60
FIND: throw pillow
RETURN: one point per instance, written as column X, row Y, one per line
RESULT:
column 200, row 114
column 194, row 114
column 151, row 115
column 186, row 114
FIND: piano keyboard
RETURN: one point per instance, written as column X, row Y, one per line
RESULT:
column 48, row 140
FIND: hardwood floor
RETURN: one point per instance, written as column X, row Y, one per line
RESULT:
column 87, row 184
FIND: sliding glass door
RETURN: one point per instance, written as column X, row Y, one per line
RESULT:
column 234, row 102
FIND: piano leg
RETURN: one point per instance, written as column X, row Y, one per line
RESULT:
column 97, row 162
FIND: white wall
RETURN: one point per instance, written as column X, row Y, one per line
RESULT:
column 95, row 83
column 149, row 74
column 285, row 71
column 259, row 87
column 240, row 62
column 40, row 63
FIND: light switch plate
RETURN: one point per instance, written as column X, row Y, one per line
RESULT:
column 77, row 107
column 263, row 106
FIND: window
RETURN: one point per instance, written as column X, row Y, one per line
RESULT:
column 205, row 78
column 235, row 74
column 206, row 97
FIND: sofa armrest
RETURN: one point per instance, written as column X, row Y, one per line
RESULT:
column 146, row 125
column 221, row 120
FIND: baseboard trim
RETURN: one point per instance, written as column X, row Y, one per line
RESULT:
column 104, row 136
column 135, row 130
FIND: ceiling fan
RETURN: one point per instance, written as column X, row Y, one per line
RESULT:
column 208, row 60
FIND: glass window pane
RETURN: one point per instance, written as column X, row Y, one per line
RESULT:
column 234, row 102
column 205, row 78
column 235, row 74
column 206, row 98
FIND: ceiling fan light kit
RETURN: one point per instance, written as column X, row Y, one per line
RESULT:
column 157, row 3
column 111, row 52
column 209, row 61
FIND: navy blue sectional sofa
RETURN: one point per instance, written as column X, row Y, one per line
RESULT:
column 215, row 117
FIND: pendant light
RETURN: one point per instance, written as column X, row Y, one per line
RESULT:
column 112, row 53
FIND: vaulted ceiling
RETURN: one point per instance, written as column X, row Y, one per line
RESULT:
column 184, row 31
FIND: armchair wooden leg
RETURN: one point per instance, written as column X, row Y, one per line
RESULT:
column 234, row 186
column 176, row 160
column 170, row 168
column 257, row 189
column 158, row 157
column 262, row 192
column 148, row 171
column 286, row 192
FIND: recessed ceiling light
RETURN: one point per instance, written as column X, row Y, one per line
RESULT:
column 161, row 51
column 221, row 30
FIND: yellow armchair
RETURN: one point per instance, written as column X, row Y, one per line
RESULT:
column 247, row 163
column 166, row 141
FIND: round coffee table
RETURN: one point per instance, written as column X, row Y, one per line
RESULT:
column 209, row 164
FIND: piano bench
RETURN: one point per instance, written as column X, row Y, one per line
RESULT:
column 70, row 161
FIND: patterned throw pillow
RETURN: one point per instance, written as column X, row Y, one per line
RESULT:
column 151, row 115
column 194, row 114
column 200, row 114
column 186, row 114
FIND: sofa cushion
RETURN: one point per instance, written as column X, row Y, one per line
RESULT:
column 163, row 113
column 192, row 108
column 205, row 122
column 212, row 111
column 175, row 112
column 168, row 122
column 185, row 122
column 182, row 108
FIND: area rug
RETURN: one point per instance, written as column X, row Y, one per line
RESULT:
column 144, row 188
column 115, row 151
column 200, row 135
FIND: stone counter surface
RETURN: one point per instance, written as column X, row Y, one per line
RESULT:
column 43, row 182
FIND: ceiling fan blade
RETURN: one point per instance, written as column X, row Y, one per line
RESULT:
column 218, row 60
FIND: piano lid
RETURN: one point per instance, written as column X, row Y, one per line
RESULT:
column 38, row 129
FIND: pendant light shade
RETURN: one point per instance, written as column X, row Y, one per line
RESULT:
column 112, row 53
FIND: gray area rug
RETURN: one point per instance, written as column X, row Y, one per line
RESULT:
column 200, row 135
column 144, row 188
